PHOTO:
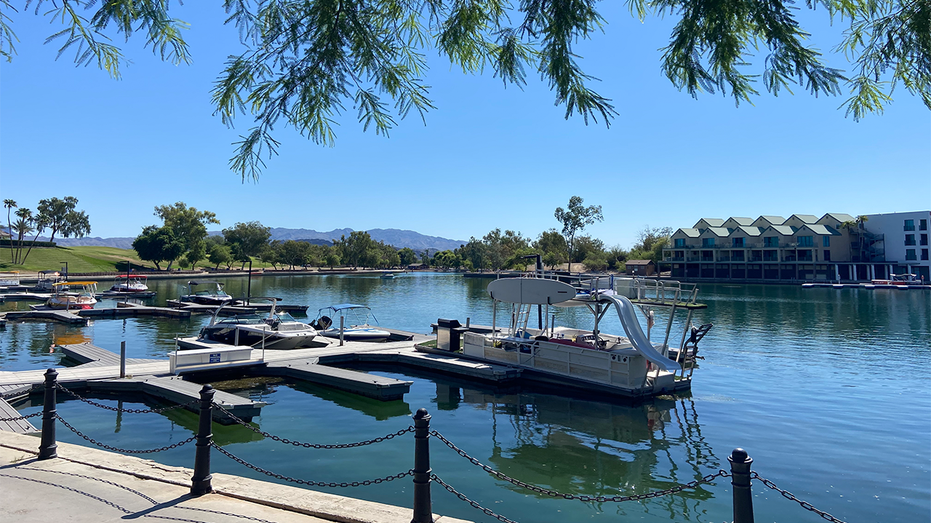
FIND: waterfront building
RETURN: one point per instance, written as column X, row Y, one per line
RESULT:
column 802, row 247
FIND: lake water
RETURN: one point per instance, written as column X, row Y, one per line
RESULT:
column 828, row 390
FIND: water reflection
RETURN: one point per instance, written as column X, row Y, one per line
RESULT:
column 379, row 410
column 591, row 448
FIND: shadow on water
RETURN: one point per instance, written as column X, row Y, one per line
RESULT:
column 379, row 410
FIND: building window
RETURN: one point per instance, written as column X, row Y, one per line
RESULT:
column 771, row 241
column 737, row 256
column 909, row 225
column 909, row 239
column 910, row 254
column 680, row 242
column 924, row 254
column 924, row 239
column 806, row 241
column 827, row 254
column 707, row 242
column 825, row 241
column 923, row 224
column 737, row 242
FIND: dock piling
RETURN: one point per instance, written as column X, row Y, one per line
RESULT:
column 122, row 359
column 200, row 482
column 48, row 447
column 740, row 480
column 423, row 509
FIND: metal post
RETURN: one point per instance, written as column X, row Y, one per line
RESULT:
column 200, row 483
column 423, row 510
column 249, row 283
column 342, row 324
column 740, row 480
column 48, row 448
column 122, row 359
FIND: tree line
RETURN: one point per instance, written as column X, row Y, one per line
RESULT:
column 183, row 237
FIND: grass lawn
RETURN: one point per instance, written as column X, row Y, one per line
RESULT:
column 79, row 259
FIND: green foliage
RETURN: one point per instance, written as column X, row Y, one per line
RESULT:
column 188, row 225
column 247, row 239
column 574, row 219
column 304, row 62
column 552, row 246
column 158, row 244
column 219, row 253
column 79, row 259
column 406, row 256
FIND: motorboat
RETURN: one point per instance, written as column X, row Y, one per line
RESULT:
column 130, row 285
column 47, row 281
column 205, row 292
column 899, row 280
column 595, row 362
column 65, row 298
column 277, row 330
column 355, row 323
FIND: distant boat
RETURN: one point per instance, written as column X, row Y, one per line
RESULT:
column 254, row 273
column 63, row 299
column 387, row 275
column 47, row 281
column 356, row 325
column 205, row 292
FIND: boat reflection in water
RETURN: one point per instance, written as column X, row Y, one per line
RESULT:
column 584, row 447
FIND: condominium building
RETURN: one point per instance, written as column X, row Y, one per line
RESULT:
column 802, row 247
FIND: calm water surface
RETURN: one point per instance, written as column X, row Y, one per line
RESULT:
column 828, row 390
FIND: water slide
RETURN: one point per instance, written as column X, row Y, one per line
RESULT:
column 625, row 312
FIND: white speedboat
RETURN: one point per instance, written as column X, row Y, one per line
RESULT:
column 130, row 286
column 277, row 330
column 355, row 322
column 589, row 360
column 65, row 298
column 205, row 292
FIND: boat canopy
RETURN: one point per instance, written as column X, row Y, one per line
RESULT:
column 203, row 282
column 343, row 306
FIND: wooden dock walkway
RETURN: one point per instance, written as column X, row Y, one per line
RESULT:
column 316, row 365
column 20, row 426
column 87, row 354
column 57, row 315
column 364, row 384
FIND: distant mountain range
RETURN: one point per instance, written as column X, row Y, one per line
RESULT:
column 396, row 237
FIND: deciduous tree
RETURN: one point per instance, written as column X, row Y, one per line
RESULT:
column 574, row 219
column 158, row 244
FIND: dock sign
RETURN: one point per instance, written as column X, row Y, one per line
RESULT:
column 214, row 357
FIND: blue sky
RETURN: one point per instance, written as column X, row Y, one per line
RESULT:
column 487, row 157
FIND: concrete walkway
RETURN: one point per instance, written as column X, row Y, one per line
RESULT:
column 85, row 485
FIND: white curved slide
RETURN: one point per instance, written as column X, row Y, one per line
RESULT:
column 625, row 312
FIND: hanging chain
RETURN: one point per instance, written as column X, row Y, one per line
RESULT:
column 788, row 495
column 311, row 483
column 581, row 497
column 474, row 504
column 118, row 409
column 117, row 449
column 17, row 418
column 313, row 445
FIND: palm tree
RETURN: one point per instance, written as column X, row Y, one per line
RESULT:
column 9, row 204
column 22, row 226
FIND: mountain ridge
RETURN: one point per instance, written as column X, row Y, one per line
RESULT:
column 398, row 238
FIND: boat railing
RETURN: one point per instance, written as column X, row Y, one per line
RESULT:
column 665, row 292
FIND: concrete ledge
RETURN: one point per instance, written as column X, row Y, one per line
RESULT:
column 17, row 448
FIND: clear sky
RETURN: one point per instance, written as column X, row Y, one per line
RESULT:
column 487, row 157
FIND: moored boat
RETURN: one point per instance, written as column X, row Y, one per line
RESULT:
column 355, row 323
column 277, row 330
column 205, row 292
column 65, row 298
column 589, row 360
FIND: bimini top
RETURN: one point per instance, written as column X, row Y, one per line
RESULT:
column 345, row 306
column 202, row 282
